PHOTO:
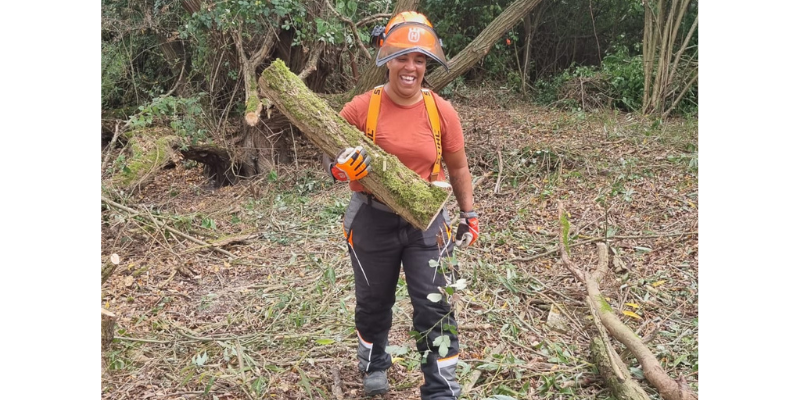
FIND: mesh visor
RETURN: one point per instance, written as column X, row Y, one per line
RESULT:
column 409, row 38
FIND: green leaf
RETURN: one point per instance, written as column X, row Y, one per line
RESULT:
column 435, row 297
column 433, row 263
column 397, row 350
column 443, row 350
column 444, row 344
column 325, row 341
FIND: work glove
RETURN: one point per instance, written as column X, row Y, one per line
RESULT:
column 468, row 230
column 351, row 164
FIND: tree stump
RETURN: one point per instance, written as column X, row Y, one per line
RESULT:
column 107, row 321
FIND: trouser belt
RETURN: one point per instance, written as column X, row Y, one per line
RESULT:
column 371, row 201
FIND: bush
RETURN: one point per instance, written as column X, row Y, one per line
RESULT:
column 618, row 82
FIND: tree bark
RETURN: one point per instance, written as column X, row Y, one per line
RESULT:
column 107, row 321
column 479, row 47
column 414, row 199
column 623, row 389
column 669, row 388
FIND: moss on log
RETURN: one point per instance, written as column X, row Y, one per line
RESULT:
column 623, row 389
column 393, row 183
column 150, row 149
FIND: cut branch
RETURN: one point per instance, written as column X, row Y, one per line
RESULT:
column 166, row 227
column 253, row 105
column 313, row 60
column 669, row 388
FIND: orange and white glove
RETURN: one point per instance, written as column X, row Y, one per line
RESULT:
column 468, row 230
column 351, row 164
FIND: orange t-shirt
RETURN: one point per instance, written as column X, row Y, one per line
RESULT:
column 405, row 131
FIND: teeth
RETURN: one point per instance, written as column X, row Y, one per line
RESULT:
column 407, row 78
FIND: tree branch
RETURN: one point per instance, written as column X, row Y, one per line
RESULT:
column 372, row 18
column 653, row 371
column 313, row 60
column 353, row 29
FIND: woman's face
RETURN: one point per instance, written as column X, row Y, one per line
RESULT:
column 405, row 75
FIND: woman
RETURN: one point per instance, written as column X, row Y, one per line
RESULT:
column 409, row 118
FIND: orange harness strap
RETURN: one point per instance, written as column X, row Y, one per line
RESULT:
column 433, row 119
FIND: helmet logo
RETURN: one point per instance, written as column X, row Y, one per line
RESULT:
column 413, row 35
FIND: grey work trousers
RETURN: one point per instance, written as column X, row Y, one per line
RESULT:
column 379, row 241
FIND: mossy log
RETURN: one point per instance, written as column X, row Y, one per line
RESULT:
column 413, row 198
column 623, row 389
column 150, row 150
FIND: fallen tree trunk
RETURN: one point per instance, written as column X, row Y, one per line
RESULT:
column 669, row 388
column 414, row 199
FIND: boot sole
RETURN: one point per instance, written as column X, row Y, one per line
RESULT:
column 377, row 392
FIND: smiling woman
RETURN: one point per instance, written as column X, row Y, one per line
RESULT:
column 405, row 78
column 421, row 129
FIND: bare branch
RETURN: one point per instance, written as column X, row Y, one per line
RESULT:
column 372, row 18
column 313, row 60
column 266, row 47
column 353, row 29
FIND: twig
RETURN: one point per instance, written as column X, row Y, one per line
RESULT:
column 337, row 383
column 372, row 18
column 177, row 83
column 168, row 228
column 652, row 335
column 564, row 255
column 353, row 29
column 599, row 239
column 499, row 171
column 480, row 179
column 110, row 146
column 311, row 65
column 130, row 339
column 240, row 358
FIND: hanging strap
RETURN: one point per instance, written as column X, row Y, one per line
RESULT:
column 433, row 119
column 372, row 112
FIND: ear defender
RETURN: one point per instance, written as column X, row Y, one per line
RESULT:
column 377, row 36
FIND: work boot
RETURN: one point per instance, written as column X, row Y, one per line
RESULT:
column 376, row 383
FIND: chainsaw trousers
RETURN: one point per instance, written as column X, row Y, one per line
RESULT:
column 379, row 242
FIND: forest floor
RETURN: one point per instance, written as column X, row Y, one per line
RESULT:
column 270, row 314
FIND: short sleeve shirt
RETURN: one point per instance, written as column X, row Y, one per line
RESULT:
column 405, row 131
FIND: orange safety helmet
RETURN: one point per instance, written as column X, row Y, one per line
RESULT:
column 407, row 32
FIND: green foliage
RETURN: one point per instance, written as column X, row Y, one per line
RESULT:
column 184, row 116
column 625, row 75
column 461, row 21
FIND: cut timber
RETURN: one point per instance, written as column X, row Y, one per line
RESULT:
column 414, row 199
column 623, row 389
column 107, row 320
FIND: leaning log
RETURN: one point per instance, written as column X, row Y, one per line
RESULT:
column 402, row 189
